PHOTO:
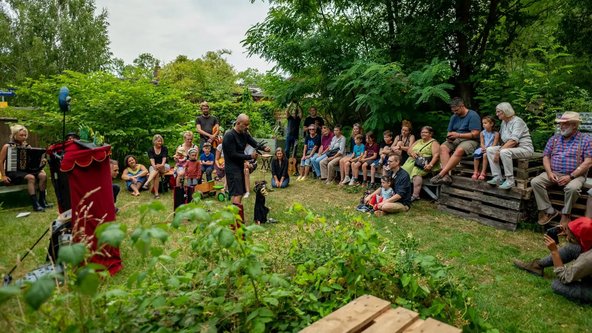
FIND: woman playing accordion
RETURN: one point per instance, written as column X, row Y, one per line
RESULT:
column 15, row 158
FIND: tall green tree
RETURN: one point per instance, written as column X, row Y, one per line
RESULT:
column 41, row 37
column 209, row 78
column 319, row 39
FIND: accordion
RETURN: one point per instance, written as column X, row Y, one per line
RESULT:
column 28, row 160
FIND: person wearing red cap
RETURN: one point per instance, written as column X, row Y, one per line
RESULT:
column 572, row 263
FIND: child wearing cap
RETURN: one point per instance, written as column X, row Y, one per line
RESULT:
column 207, row 161
column 192, row 168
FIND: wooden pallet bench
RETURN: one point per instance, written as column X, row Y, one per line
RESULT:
column 372, row 314
column 487, row 204
column 579, row 207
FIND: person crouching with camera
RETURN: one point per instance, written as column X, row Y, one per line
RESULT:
column 572, row 263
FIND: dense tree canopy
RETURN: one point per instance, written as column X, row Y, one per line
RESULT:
column 355, row 54
column 39, row 37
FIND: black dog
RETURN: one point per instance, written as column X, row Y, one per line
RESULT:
column 260, row 210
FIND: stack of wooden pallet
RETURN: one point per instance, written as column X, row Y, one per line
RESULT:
column 487, row 204
column 371, row 314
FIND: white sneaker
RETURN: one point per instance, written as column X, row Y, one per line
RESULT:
column 352, row 182
column 346, row 180
column 246, row 195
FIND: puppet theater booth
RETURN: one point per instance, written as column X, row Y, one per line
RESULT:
column 87, row 172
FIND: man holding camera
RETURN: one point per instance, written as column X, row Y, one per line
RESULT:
column 463, row 132
column 574, row 280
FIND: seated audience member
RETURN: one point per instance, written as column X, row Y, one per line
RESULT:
column 427, row 148
column 326, row 139
column 219, row 165
column 192, row 168
column 572, row 263
column 489, row 137
column 279, row 170
column 158, row 155
column 401, row 199
column 188, row 142
column 404, row 140
column 566, row 158
column 369, row 156
column 134, row 175
column 114, row 173
column 357, row 153
column 384, row 192
column 356, row 130
column 18, row 139
column 334, row 154
column 384, row 152
column 180, row 163
column 463, row 131
column 516, row 143
column 207, row 161
column 312, row 142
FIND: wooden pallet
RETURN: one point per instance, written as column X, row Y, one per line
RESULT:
column 372, row 314
column 484, row 203
column 557, row 196
column 524, row 170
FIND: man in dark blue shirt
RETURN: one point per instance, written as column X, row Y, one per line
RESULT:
column 401, row 184
column 462, row 138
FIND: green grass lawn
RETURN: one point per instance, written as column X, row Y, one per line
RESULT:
column 511, row 300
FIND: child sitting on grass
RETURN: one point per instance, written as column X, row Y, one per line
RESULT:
column 383, row 193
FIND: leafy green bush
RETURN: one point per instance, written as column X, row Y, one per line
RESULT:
column 225, row 280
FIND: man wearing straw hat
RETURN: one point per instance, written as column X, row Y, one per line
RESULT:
column 566, row 158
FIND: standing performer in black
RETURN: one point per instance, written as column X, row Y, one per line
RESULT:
column 233, row 146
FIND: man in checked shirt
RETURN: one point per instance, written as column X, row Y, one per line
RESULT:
column 566, row 158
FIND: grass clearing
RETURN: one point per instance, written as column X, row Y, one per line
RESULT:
column 511, row 300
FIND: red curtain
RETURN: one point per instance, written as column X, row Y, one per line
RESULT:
column 91, row 195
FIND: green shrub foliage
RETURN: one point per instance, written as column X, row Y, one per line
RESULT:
column 225, row 280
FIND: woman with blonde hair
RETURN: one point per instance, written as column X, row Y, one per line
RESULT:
column 158, row 167
column 18, row 139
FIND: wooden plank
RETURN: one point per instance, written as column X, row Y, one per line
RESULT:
column 394, row 320
column 432, row 325
column 351, row 317
column 511, row 226
column 478, row 207
column 467, row 183
column 413, row 326
column 506, row 203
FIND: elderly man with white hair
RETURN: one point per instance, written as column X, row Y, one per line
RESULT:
column 566, row 158
column 516, row 143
